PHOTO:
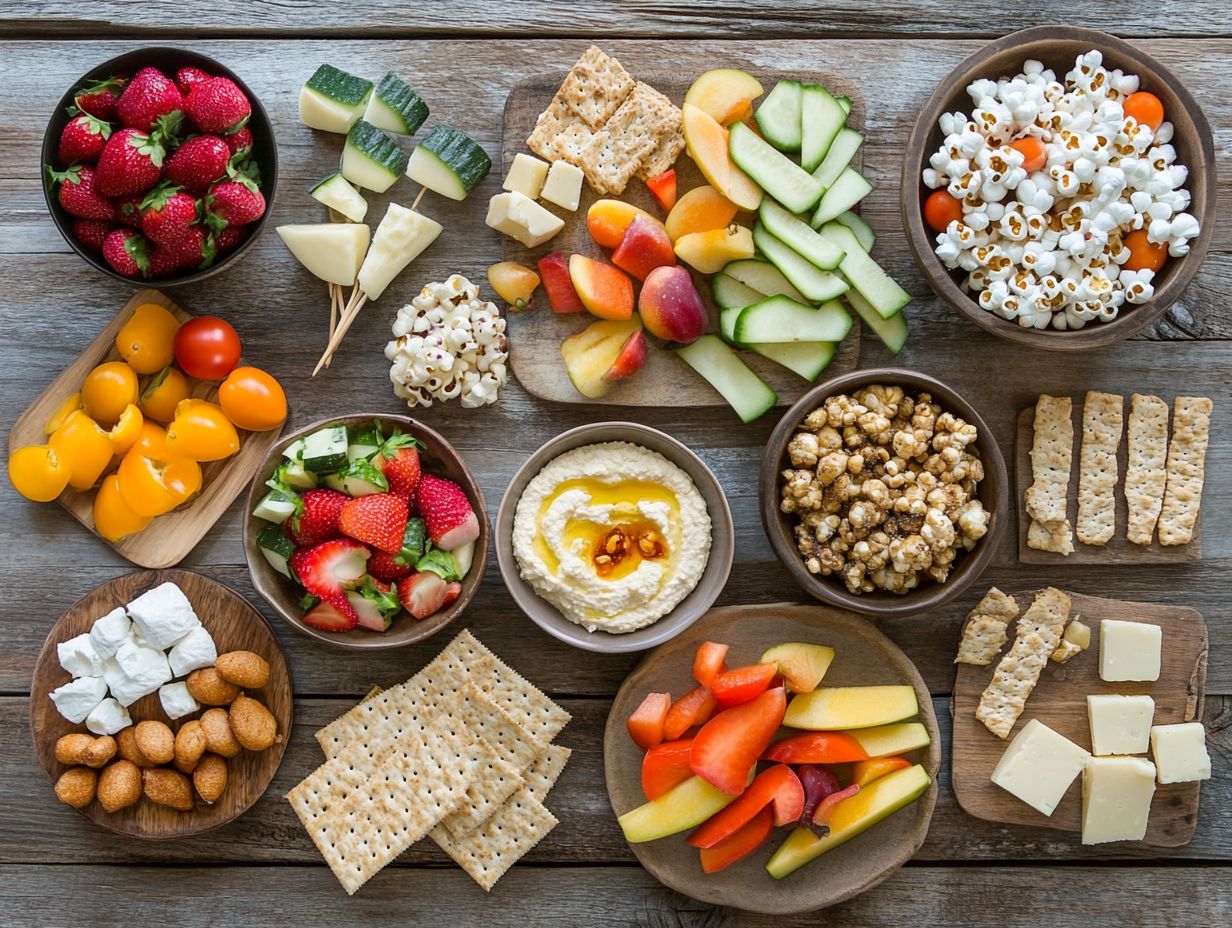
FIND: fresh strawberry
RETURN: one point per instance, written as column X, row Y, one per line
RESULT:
column 240, row 141
column 446, row 511
column 99, row 99
column 230, row 237
column 332, row 615
column 149, row 95
column 83, row 139
column 166, row 213
column 375, row 603
column 131, row 162
column 326, row 569
column 379, row 519
column 318, row 521
column 217, row 105
column 166, row 261
column 423, row 594
column 198, row 163
column 386, row 566
column 128, row 209
column 91, row 233
column 79, row 193
column 453, row 590
column 127, row 252
column 187, row 78
column 196, row 249
column 232, row 203
column 398, row 460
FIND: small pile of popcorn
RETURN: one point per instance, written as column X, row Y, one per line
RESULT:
column 448, row 343
column 1046, row 248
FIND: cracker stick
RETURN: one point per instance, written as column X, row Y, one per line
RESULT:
column 1145, row 472
column 1052, row 453
column 1097, row 468
column 1191, row 429
column 984, row 634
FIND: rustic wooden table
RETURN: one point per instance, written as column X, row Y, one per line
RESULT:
column 57, row 869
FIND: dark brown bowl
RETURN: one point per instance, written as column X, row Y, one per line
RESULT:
column 993, row 493
column 440, row 459
column 264, row 153
column 1057, row 46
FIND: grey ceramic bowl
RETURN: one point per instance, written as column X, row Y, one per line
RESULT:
column 691, row 608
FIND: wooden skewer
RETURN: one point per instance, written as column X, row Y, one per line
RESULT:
column 415, row 205
column 335, row 301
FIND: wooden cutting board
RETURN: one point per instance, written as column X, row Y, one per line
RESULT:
column 1119, row 550
column 167, row 539
column 1060, row 702
column 665, row 380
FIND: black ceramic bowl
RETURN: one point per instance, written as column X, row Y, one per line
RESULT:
column 168, row 60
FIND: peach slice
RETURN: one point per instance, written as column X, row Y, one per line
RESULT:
column 724, row 94
column 603, row 353
column 710, row 251
column 604, row 290
column 700, row 210
column 608, row 220
column 671, row 307
column 707, row 144
column 644, row 247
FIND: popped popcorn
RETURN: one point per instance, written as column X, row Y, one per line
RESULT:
column 1047, row 247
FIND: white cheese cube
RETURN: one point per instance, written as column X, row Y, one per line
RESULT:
column 526, row 175
column 521, row 218
column 77, row 699
column 1180, row 752
column 176, row 700
column 108, row 718
column 563, row 186
column 1039, row 765
column 1120, row 724
column 78, row 657
column 1116, row 798
column 192, row 652
column 163, row 615
column 145, row 670
column 1129, row 651
column 109, row 632
column 1078, row 634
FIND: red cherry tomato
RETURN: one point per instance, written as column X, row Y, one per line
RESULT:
column 207, row 348
column 940, row 209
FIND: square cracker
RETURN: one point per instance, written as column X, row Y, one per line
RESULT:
column 1097, row 468
column 551, row 123
column 498, row 779
column 1146, row 466
column 985, row 632
column 643, row 121
column 1191, row 431
column 501, row 841
column 595, row 87
column 1052, row 451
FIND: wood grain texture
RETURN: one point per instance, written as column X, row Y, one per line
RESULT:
column 1059, row 701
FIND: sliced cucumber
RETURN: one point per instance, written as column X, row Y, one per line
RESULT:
column 730, row 292
column 866, row 275
column 859, row 228
column 797, row 233
column 762, row 276
column 276, row 506
column 395, row 107
column 777, row 319
column 892, row 330
column 722, row 368
column 294, row 451
column 326, row 449
column 277, row 548
column 338, row 194
column 293, row 474
column 821, row 117
column 849, row 189
column 365, row 442
column 332, row 100
column 808, row 359
column 358, row 478
column 727, row 322
column 778, row 117
column 842, row 150
column 371, row 159
column 777, row 174
column 816, row 285
column 845, row 103
column 448, row 162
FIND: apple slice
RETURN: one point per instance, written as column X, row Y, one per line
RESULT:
column 606, row 291
column 671, row 307
column 708, row 147
column 645, row 246
column 847, row 707
column 709, row 252
column 603, row 353
column 724, row 94
column 333, row 251
column 802, row 665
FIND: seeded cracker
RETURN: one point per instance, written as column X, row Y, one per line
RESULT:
column 1145, row 470
column 984, row 634
column 595, row 87
column 1052, row 451
column 1191, row 427
column 1097, row 468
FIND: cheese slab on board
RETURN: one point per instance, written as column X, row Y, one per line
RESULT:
column 1116, row 798
column 1120, row 724
column 520, row 217
column 564, row 185
column 526, row 175
column 1180, row 752
column 1129, row 651
column 1039, row 766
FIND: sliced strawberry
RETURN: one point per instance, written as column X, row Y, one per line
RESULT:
column 422, row 594
column 453, row 589
column 325, row 570
column 332, row 615
column 446, row 512
column 318, row 521
column 386, row 566
column 379, row 519
column 376, row 603
column 398, row 460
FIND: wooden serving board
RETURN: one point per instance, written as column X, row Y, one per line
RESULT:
column 1119, row 550
column 167, row 539
column 235, row 625
column 1060, row 702
column 665, row 380
column 864, row 657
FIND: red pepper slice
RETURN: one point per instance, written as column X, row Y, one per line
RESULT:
column 733, row 687
column 817, row 747
column 730, row 743
column 664, row 766
column 693, row 708
column 646, row 723
column 776, row 787
column 739, row 844
column 554, row 272
column 663, row 186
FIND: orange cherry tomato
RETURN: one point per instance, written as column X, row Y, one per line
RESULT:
column 940, row 209
column 166, row 391
column 1034, row 154
column 84, row 447
column 107, row 390
column 201, row 431
column 114, row 518
column 1143, row 254
column 207, row 348
column 38, row 473
column 253, row 400
column 152, row 480
column 146, row 340
column 1146, row 109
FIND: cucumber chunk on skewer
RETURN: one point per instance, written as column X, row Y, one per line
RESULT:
column 337, row 193
column 371, row 159
column 332, row 100
column 448, row 162
column 395, row 107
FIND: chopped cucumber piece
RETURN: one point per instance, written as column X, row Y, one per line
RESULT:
column 294, row 451
column 859, row 228
column 277, row 548
column 779, row 116
column 762, row 276
column 727, row 322
column 845, row 103
column 821, row 117
column 866, row 275
column 337, row 193
column 276, row 506
column 797, row 233
column 722, row 368
column 892, row 330
column 777, row 319
column 842, row 150
column 808, row 359
column 773, row 171
column 332, row 100
column 294, row 475
column 730, row 292
column 366, row 442
column 816, row 285
column 371, row 159
column 448, row 162
column 358, row 478
column 326, row 449
column 849, row 189
column 395, row 107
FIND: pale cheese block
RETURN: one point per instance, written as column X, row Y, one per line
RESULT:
column 1038, row 766
column 400, row 238
column 1120, row 724
column 1129, row 651
column 518, row 216
column 1180, row 752
column 1116, row 798
column 332, row 251
column 526, row 175
column 564, row 185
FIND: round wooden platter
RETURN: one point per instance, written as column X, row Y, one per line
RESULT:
column 864, row 657
column 234, row 625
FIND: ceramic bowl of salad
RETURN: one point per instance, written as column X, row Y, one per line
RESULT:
column 366, row 531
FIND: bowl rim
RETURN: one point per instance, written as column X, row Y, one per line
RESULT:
column 919, row 238
column 720, row 559
column 269, row 184
column 371, row 641
column 923, row 598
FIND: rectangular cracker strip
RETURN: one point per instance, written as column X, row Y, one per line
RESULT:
column 595, row 87
column 1191, row 430
column 1055, row 537
column 1052, row 451
column 1097, row 468
column 1146, row 466
column 487, row 854
column 985, row 632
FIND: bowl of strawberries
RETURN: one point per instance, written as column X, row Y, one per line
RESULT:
column 159, row 164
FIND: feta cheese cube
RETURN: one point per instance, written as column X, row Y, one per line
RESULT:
column 521, row 218
column 109, row 632
column 77, row 699
column 163, row 615
column 1129, row 651
column 526, row 175
column 564, row 185
column 1120, row 724
column 108, row 718
column 1038, row 766
column 78, row 657
column 192, row 652
column 1116, row 798
column 1180, row 752
column 145, row 670
column 176, row 700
